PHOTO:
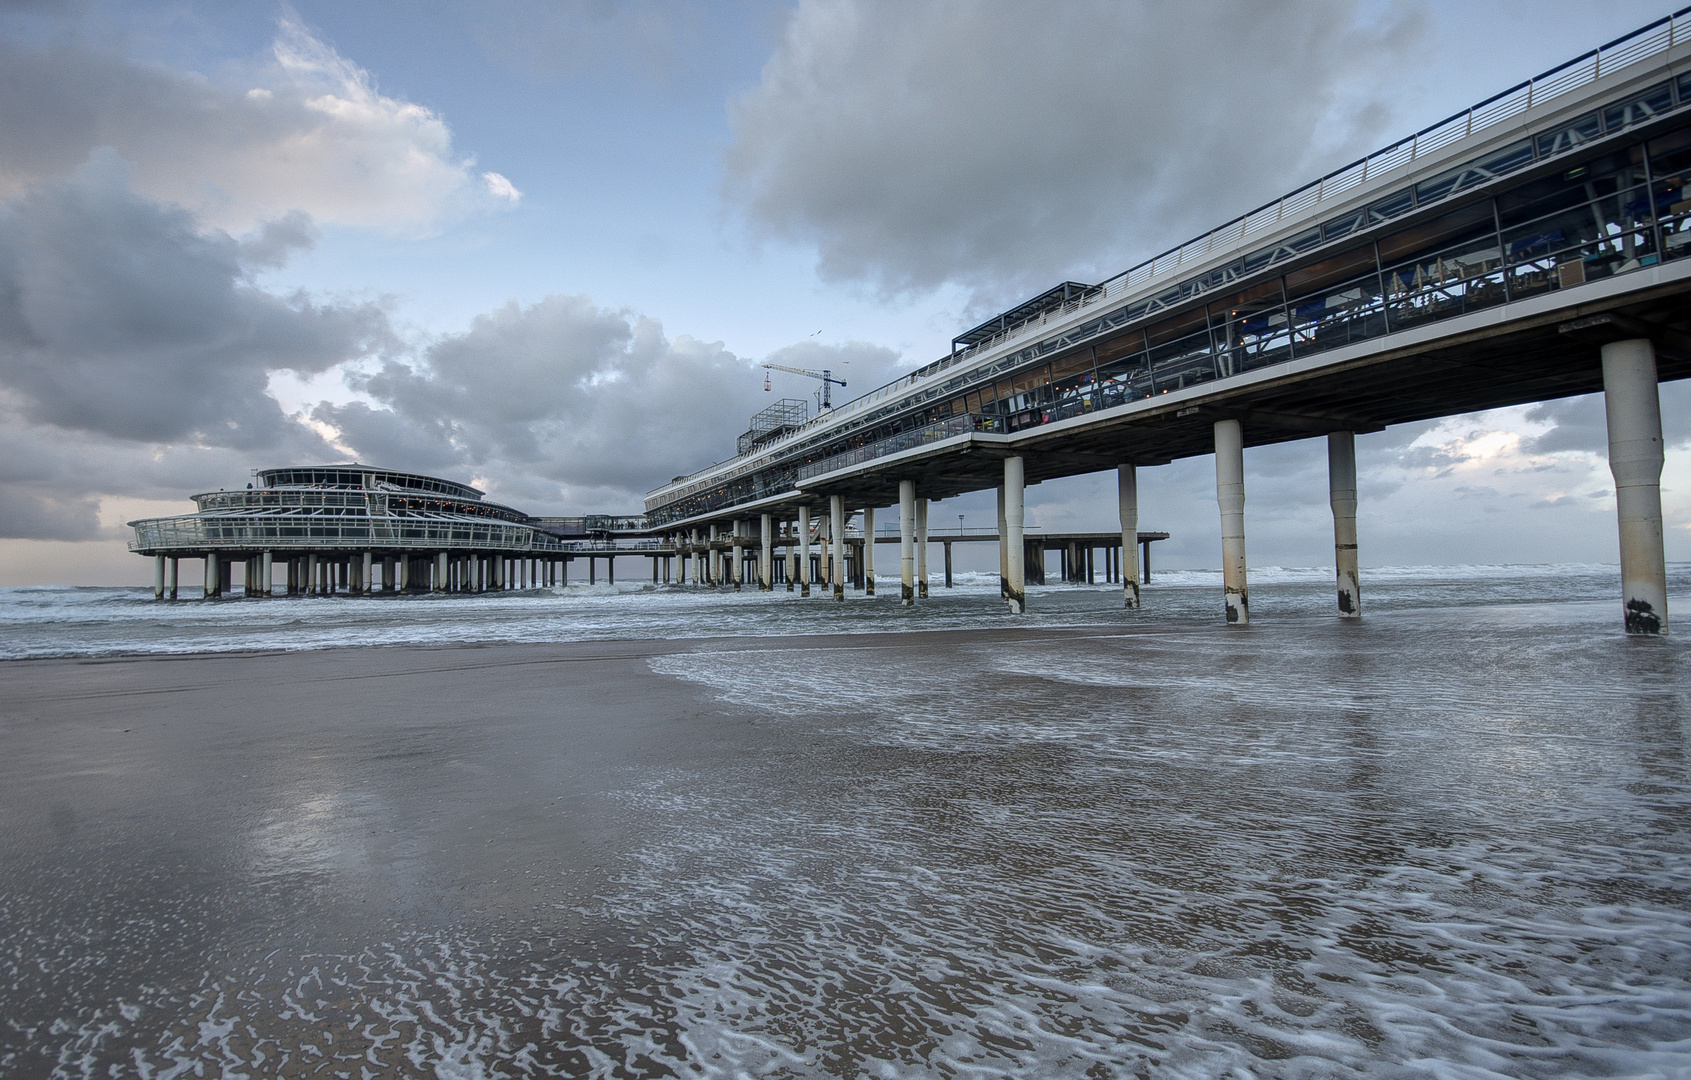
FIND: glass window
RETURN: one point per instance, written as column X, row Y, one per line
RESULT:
column 1220, row 276
column 1670, row 162
column 1604, row 175
column 1284, row 249
column 1497, row 163
column 1178, row 326
column 1392, row 205
column 1440, row 232
column 1073, row 364
column 1250, row 329
column 1121, row 345
column 1338, row 227
column 1570, row 135
column 1652, row 102
column 1339, row 267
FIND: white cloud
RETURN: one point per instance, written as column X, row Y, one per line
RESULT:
column 501, row 188
column 304, row 129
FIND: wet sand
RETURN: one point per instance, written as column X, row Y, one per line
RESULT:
column 1440, row 842
column 164, row 817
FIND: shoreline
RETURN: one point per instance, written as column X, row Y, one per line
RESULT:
column 854, row 639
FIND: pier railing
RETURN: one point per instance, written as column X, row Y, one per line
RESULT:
column 904, row 440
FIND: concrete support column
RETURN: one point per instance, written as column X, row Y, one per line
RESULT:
column 1127, row 500
column 921, row 549
column 739, row 565
column 364, row 576
column 1633, row 407
column 715, row 559
column 792, row 555
column 948, row 564
column 402, row 573
column 210, row 589
column 440, row 573
column 824, row 552
column 907, row 541
column 1015, row 549
column 836, row 534
column 266, row 566
column 766, row 556
column 1230, row 494
column 869, row 551
column 158, row 577
column 1003, row 550
column 1341, row 492
column 804, row 551
column 174, row 568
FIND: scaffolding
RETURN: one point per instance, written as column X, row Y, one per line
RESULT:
column 785, row 415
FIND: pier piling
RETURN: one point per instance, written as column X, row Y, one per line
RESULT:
column 1632, row 404
column 1011, row 536
column 1341, row 482
column 1230, row 494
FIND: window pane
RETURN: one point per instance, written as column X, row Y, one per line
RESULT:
column 1670, row 161
column 1391, row 205
column 1178, row 326
column 1569, row 136
column 1652, row 102
column 1460, row 277
column 1495, row 164
column 1337, row 315
column 1284, row 249
column 1574, row 186
column 1440, row 232
column 1121, row 345
column 1338, row 267
column 1338, row 227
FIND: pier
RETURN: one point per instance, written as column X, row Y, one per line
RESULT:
column 1530, row 247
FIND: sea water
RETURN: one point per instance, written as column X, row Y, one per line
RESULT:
column 1453, row 841
column 46, row 621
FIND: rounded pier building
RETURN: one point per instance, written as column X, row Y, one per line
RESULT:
column 351, row 529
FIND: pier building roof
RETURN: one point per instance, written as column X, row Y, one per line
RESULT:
column 355, row 475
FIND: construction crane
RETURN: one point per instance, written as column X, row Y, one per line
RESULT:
column 825, row 376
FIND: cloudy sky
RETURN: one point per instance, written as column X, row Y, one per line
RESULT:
column 543, row 246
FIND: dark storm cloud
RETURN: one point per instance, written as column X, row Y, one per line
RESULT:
column 1581, row 425
column 118, row 316
column 569, row 404
column 1001, row 145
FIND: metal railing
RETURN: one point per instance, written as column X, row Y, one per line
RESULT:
column 904, row 440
